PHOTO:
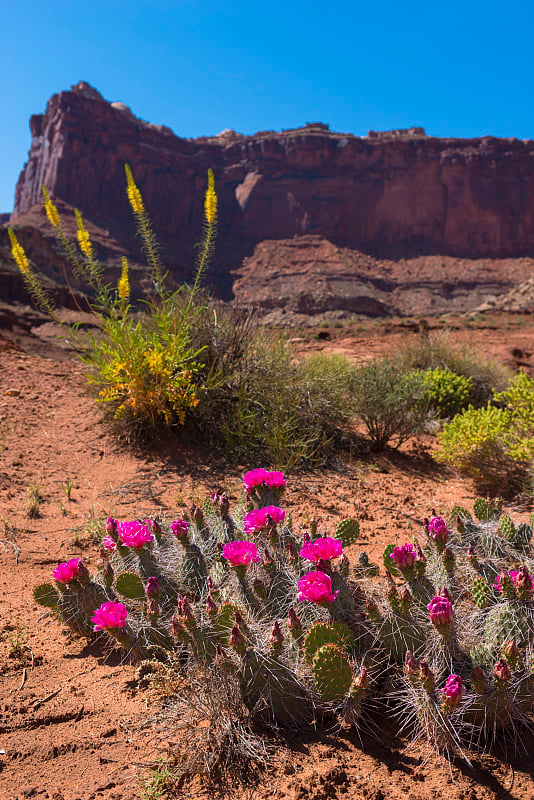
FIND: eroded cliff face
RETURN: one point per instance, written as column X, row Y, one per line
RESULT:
column 390, row 196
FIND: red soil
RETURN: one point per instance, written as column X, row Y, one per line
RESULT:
column 71, row 715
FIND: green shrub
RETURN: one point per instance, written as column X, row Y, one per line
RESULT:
column 448, row 393
column 391, row 402
column 435, row 349
column 519, row 400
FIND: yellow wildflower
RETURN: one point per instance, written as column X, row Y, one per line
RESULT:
column 134, row 195
column 17, row 251
column 123, row 286
column 51, row 211
column 210, row 200
column 83, row 236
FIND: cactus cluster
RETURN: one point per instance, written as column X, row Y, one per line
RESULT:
column 448, row 638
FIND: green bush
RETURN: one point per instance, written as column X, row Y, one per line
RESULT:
column 495, row 445
column 448, row 393
column 391, row 402
column 435, row 349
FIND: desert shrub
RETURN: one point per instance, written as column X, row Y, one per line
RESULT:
column 260, row 625
column 391, row 402
column 495, row 445
column 447, row 392
column 436, row 350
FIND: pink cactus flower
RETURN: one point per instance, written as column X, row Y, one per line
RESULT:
column 152, row 588
column 109, row 616
column 257, row 477
column 404, row 555
column 514, row 575
column 179, row 528
column 240, row 553
column 441, row 611
column 108, row 543
column 257, row 518
column 134, row 534
column 452, row 692
column 437, row 529
column 322, row 549
column 316, row 587
column 68, row 571
column 111, row 525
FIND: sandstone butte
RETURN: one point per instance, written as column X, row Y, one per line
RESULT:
column 310, row 220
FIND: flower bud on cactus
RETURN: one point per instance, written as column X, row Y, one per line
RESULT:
column 107, row 573
column 179, row 529
column 186, row 613
column 405, row 600
column 441, row 613
column 452, row 693
column 411, row 667
column 502, row 674
column 438, row 531
column 153, row 609
column 511, row 653
column 152, row 589
column 426, row 677
column 360, row 684
column 211, row 607
column 478, row 680
column 523, row 584
column 276, row 640
column 447, row 557
column 237, row 641
column 294, row 624
column 179, row 630
column 306, row 538
column 268, row 560
column 404, row 557
column 505, row 584
column 197, row 515
column 112, row 529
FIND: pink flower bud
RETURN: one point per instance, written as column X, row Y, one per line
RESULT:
column 153, row 607
column 152, row 588
column 276, row 637
column 404, row 556
column 179, row 528
column 502, row 673
column 211, row 607
column 511, row 653
column 237, row 640
column 186, row 612
column 441, row 612
column 411, row 667
column 452, row 692
column 239, row 621
column 112, row 528
column 316, row 587
column 293, row 620
column 426, row 677
column 437, row 530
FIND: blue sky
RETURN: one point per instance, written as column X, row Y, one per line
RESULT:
column 456, row 68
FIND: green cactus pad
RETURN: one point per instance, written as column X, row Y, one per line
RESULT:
column 348, row 531
column 273, row 692
column 46, row 595
column 193, row 569
column 459, row 511
column 523, row 536
column 332, row 672
column 483, row 509
column 505, row 621
column 130, row 585
column 480, row 591
column 507, row 527
column 322, row 633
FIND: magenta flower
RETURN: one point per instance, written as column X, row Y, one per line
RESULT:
column 514, row 575
column 134, row 534
column 108, row 543
column 179, row 528
column 111, row 525
column 68, row 571
column 452, row 692
column 437, row 529
column 322, row 549
column 152, row 588
column 240, row 553
column 257, row 477
column 257, row 519
column 109, row 616
column 441, row 611
column 316, row 587
column 404, row 555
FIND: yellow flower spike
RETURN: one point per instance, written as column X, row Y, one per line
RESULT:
column 210, row 200
column 123, row 286
column 84, row 241
column 134, row 195
column 51, row 211
column 17, row 251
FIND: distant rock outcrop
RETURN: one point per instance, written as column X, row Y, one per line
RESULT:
column 393, row 195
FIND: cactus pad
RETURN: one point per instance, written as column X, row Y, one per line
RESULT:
column 507, row 527
column 46, row 595
column 130, row 585
column 225, row 620
column 507, row 621
column 523, row 536
column 272, row 691
column 483, row 509
column 322, row 633
column 348, row 531
column 332, row 672
column 480, row 592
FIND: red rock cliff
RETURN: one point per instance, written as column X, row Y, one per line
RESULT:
column 390, row 195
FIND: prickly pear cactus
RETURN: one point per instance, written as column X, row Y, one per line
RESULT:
column 46, row 595
column 332, row 672
column 480, row 592
column 505, row 621
column 273, row 692
column 130, row 585
column 322, row 633
column 507, row 527
column 348, row 531
column 484, row 509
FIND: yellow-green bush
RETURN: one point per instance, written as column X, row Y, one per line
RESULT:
column 448, row 392
column 494, row 445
